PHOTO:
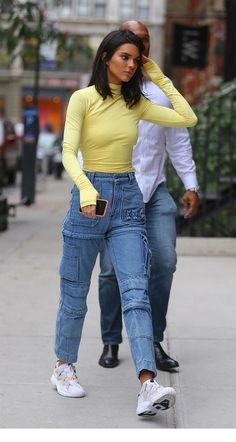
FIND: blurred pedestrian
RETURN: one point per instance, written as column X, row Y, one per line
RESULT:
column 9, row 150
column 45, row 149
column 153, row 146
column 102, row 120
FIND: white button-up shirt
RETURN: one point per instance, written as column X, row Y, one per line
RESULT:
column 155, row 143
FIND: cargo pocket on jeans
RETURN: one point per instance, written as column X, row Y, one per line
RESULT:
column 69, row 267
column 73, row 292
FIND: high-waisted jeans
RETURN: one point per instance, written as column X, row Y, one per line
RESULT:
column 124, row 230
column 160, row 214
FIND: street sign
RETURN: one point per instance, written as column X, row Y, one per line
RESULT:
column 190, row 46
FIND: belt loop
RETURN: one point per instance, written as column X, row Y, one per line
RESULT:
column 130, row 177
column 91, row 177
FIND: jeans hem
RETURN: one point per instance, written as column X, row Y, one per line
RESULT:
column 146, row 365
column 68, row 359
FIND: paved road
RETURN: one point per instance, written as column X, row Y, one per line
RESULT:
column 201, row 333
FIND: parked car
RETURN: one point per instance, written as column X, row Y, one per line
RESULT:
column 9, row 154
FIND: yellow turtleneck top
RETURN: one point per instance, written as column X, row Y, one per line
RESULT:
column 105, row 131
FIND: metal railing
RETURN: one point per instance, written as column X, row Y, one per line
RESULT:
column 214, row 147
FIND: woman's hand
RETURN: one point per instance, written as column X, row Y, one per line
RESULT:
column 89, row 211
column 145, row 59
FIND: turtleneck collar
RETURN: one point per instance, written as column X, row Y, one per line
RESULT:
column 115, row 88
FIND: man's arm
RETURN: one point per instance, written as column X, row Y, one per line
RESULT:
column 179, row 149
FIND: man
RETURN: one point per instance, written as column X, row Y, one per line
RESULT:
column 154, row 143
column 9, row 150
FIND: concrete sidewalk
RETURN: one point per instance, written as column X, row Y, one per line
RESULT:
column 201, row 333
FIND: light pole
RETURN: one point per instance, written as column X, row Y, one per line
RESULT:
column 31, row 128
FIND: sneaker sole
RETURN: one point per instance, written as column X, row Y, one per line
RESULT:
column 62, row 392
column 167, row 401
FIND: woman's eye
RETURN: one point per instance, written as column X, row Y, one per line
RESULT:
column 124, row 57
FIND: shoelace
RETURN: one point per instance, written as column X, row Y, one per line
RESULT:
column 67, row 374
column 145, row 391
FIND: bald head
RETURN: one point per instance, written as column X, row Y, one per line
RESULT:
column 139, row 29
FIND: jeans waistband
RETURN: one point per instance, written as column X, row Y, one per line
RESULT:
column 129, row 176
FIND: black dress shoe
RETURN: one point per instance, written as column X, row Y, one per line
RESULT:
column 163, row 361
column 109, row 357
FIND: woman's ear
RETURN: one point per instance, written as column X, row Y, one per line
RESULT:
column 104, row 55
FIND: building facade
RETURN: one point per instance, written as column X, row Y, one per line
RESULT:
column 196, row 82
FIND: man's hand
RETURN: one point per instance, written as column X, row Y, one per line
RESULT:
column 191, row 203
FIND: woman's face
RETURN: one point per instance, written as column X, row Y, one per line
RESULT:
column 123, row 64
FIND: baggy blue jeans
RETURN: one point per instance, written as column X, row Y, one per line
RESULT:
column 124, row 231
column 160, row 214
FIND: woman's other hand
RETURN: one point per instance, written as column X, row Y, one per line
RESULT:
column 145, row 59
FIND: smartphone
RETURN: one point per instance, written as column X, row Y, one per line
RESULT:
column 101, row 207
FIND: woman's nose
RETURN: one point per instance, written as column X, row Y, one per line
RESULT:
column 131, row 64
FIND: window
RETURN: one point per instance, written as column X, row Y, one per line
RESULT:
column 126, row 9
column 84, row 8
column 66, row 8
column 99, row 8
column 57, row 9
column 61, row 8
column 143, row 9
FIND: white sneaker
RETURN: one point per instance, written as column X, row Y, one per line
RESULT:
column 153, row 397
column 65, row 380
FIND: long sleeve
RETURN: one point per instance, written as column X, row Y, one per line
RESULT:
column 179, row 148
column 74, row 121
column 180, row 116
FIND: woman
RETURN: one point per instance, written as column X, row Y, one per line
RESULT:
column 102, row 121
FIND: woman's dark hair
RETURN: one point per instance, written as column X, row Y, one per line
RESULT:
column 131, row 90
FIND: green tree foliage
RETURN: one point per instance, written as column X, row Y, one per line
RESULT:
column 213, row 142
column 25, row 28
